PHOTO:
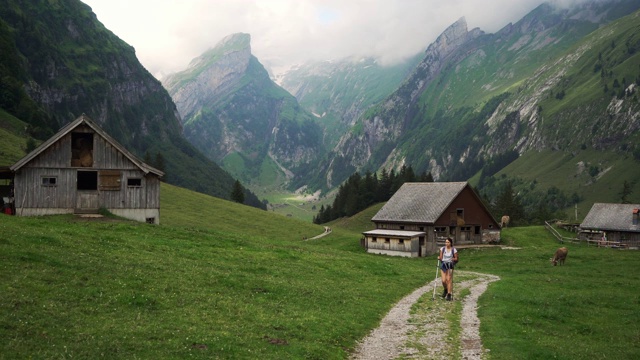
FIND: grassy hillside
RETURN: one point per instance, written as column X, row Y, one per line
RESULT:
column 596, row 176
column 221, row 280
column 12, row 146
column 216, row 279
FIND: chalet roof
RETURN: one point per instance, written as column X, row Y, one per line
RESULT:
column 396, row 233
column 611, row 217
column 420, row 202
column 84, row 119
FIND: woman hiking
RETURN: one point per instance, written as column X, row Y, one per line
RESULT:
column 448, row 259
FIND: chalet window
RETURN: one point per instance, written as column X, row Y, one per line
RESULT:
column 82, row 149
column 110, row 180
column 134, row 182
column 387, row 240
column 49, row 181
column 401, row 241
column 421, row 228
column 401, row 227
column 460, row 213
column 441, row 231
column 374, row 239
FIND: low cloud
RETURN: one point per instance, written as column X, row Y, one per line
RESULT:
column 168, row 34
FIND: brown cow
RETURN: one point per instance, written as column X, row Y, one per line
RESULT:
column 559, row 256
column 504, row 222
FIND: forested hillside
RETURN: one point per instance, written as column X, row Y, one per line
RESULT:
column 58, row 62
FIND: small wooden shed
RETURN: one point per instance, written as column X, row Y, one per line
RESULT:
column 81, row 169
column 420, row 215
column 621, row 222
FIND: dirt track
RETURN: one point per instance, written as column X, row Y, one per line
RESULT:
column 424, row 332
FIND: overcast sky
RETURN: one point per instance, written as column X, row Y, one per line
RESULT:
column 167, row 34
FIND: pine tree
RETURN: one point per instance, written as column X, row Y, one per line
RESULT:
column 237, row 194
column 626, row 191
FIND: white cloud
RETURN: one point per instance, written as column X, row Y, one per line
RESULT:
column 167, row 34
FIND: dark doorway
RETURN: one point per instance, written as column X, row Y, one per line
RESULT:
column 87, row 180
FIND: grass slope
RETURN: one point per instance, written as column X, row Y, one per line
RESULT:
column 586, row 309
column 570, row 172
column 221, row 280
column 215, row 280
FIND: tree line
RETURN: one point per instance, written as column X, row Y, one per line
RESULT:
column 359, row 192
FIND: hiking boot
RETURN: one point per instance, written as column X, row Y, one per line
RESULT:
column 444, row 293
column 449, row 297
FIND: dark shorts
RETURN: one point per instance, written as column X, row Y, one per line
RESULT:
column 447, row 266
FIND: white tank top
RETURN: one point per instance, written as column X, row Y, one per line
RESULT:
column 447, row 255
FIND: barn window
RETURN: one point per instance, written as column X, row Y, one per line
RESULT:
column 401, row 241
column 49, row 181
column 401, row 227
column 460, row 213
column 134, row 182
column 374, row 239
column 110, row 180
column 82, row 149
column 387, row 240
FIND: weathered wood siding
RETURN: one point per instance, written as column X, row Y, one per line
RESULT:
column 35, row 198
column 393, row 246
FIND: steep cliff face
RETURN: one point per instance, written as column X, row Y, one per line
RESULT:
column 239, row 117
column 478, row 96
column 71, row 64
column 380, row 132
column 338, row 92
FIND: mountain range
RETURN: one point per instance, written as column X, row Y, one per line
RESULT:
column 560, row 81
column 57, row 61
column 547, row 104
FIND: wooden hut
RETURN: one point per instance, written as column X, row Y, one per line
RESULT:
column 81, row 169
column 620, row 222
column 421, row 215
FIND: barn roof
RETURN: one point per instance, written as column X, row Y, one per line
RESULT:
column 420, row 202
column 84, row 119
column 612, row 217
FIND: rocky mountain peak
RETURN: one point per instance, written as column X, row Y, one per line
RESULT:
column 211, row 74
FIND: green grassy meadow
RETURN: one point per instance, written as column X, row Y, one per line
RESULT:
column 220, row 280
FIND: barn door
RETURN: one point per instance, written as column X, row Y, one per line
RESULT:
column 87, row 192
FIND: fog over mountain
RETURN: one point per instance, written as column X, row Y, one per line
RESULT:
column 168, row 34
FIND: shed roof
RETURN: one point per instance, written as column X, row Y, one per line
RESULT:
column 84, row 119
column 611, row 217
column 397, row 233
column 421, row 202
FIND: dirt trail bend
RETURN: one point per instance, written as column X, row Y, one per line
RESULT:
column 423, row 333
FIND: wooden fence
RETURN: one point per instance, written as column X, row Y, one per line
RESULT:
column 575, row 240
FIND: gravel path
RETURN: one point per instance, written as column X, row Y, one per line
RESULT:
column 422, row 331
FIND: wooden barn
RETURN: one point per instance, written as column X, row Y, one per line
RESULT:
column 81, row 169
column 620, row 222
column 419, row 216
